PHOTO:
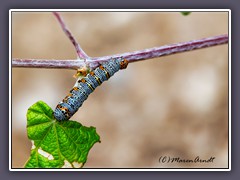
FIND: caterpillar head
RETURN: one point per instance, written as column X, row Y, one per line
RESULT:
column 123, row 64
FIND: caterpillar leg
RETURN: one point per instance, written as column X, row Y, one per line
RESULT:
column 81, row 72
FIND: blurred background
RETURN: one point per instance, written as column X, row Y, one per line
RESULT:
column 170, row 106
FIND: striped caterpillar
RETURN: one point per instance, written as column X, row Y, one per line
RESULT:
column 85, row 86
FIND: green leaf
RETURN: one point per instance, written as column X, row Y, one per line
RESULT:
column 57, row 144
column 185, row 13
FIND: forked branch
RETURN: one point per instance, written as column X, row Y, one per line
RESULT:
column 81, row 54
column 140, row 55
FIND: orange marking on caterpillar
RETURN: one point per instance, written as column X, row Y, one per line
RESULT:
column 75, row 88
column 92, row 73
column 107, row 73
column 82, row 80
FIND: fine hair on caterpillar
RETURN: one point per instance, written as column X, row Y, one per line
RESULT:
column 85, row 86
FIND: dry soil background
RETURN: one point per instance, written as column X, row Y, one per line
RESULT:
column 175, row 105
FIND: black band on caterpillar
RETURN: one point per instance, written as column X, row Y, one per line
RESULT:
column 80, row 92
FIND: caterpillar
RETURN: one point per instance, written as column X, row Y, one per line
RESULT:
column 85, row 86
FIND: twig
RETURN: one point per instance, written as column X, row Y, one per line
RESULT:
column 169, row 49
column 131, row 56
column 45, row 63
column 81, row 54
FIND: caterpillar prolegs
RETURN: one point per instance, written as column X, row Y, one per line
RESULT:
column 85, row 86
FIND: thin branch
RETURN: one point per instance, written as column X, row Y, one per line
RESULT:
column 168, row 49
column 140, row 55
column 81, row 54
column 45, row 63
